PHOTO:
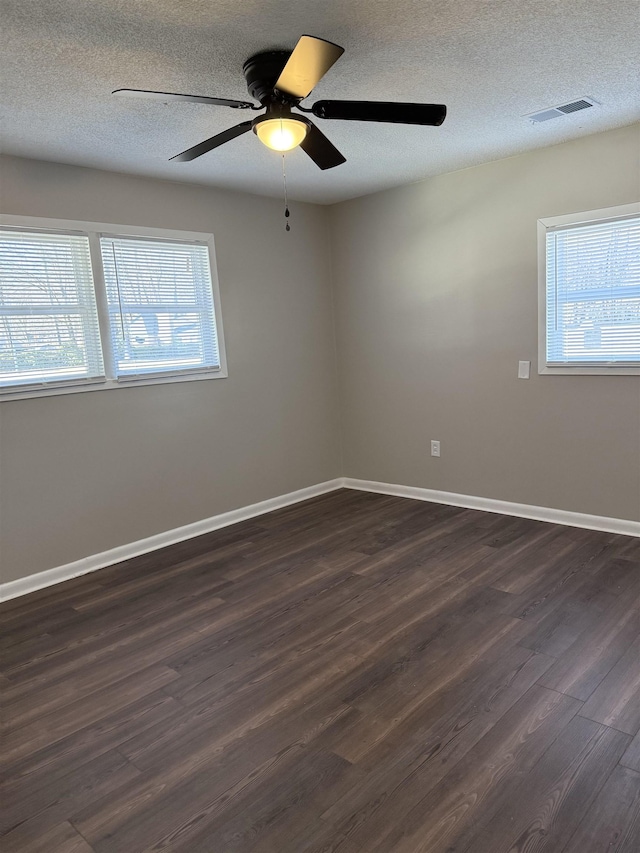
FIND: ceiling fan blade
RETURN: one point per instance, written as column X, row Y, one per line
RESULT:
column 175, row 96
column 213, row 142
column 311, row 59
column 323, row 152
column 425, row 114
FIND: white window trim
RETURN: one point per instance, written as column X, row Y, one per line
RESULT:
column 543, row 226
column 93, row 230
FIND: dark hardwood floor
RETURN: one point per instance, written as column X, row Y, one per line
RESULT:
column 356, row 674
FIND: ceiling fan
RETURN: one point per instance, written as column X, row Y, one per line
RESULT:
column 279, row 80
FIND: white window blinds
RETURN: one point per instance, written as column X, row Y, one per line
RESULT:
column 593, row 294
column 49, row 330
column 160, row 302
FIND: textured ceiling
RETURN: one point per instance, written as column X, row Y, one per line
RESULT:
column 490, row 61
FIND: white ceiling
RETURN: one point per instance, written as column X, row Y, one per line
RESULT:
column 490, row 61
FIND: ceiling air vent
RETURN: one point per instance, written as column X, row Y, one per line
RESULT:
column 563, row 110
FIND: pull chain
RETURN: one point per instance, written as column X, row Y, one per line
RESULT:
column 286, row 204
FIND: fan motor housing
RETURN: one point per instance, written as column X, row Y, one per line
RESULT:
column 261, row 73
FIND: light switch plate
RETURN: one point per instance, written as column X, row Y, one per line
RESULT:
column 524, row 369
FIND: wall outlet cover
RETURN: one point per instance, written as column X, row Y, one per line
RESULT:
column 524, row 369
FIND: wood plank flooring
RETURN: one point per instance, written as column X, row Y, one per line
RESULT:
column 354, row 674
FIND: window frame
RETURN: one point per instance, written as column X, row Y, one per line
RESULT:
column 544, row 225
column 93, row 231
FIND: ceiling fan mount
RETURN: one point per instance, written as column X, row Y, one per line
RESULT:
column 261, row 72
column 279, row 80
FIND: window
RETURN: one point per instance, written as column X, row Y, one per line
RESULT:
column 590, row 292
column 49, row 329
column 86, row 306
column 160, row 306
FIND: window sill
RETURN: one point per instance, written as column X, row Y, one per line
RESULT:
column 108, row 385
column 545, row 370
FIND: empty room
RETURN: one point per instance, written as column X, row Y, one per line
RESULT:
column 320, row 426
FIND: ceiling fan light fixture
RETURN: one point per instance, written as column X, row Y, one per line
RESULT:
column 281, row 134
column 279, row 80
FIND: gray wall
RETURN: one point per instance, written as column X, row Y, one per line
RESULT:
column 436, row 301
column 82, row 473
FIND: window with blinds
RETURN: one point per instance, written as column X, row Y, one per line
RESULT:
column 83, row 308
column 49, row 330
column 160, row 301
column 593, row 293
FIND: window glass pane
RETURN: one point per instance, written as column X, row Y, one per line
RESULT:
column 593, row 293
column 48, row 320
column 160, row 306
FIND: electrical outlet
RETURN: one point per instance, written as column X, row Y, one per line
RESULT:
column 435, row 448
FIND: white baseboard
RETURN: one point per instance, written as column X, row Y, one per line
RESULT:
column 538, row 513
column 40, row 580
column 31, row 583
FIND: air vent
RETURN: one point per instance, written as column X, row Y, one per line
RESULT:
column 575, row 106
column 563, row 110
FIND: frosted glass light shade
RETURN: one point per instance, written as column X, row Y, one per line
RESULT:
column 281, row 134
